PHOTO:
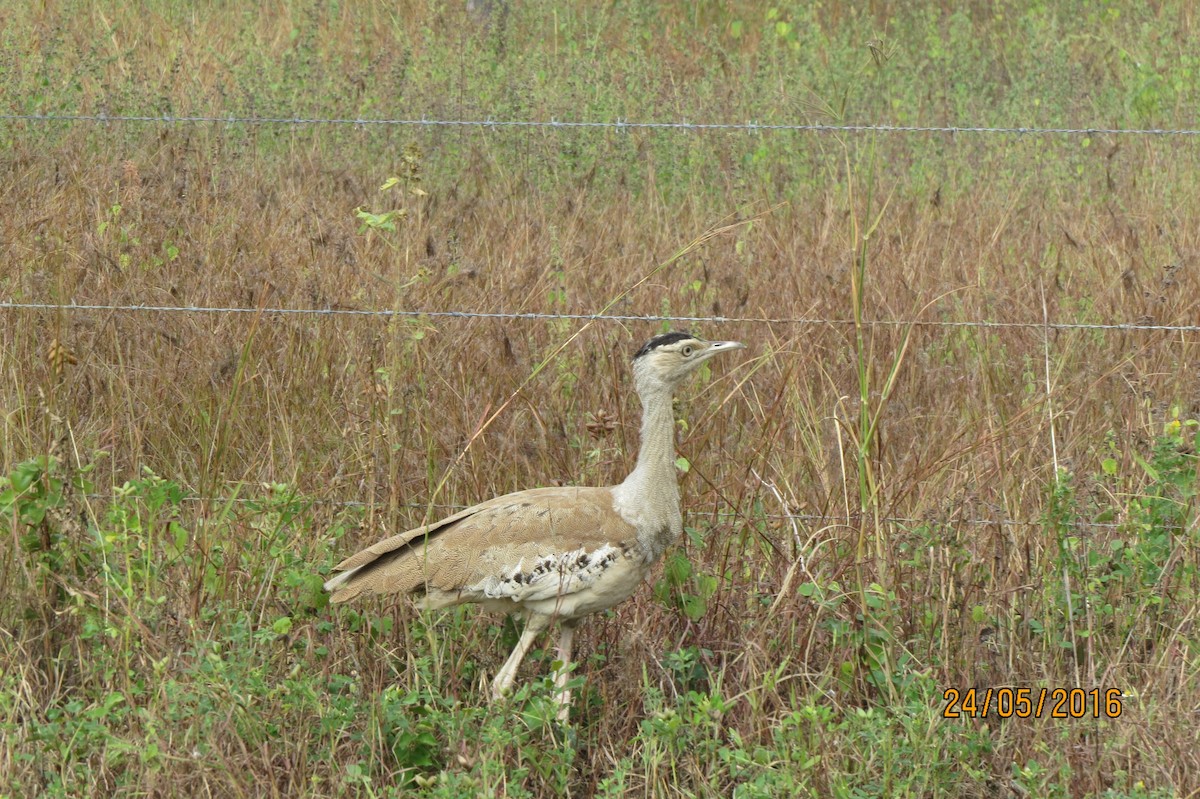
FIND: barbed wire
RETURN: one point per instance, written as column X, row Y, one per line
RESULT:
column 618, row 125
column 267, row 503
column 792, row 320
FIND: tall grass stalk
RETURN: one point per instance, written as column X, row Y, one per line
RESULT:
column 923, row 531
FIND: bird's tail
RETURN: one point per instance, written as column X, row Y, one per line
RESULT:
column 338, row 582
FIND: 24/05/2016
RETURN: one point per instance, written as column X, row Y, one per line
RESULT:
column 1024, row 703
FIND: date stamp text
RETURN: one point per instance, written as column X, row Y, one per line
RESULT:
column 1036, row 703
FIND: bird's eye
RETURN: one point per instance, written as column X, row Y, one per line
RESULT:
column 687, row 351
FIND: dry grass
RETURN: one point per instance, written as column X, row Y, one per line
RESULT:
column 879, row 617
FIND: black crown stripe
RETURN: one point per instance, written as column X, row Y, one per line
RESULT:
column 661, row 341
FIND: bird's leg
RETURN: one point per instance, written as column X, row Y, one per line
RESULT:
column 508, row 672
column 566, row 633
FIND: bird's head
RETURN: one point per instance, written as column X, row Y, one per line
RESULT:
column 664, row 361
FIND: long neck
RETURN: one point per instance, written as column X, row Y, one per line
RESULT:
column 656, row 456
column 649, row 497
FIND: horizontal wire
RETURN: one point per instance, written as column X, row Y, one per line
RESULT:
column 619, row 125
column 803, row 517
column 798, row 320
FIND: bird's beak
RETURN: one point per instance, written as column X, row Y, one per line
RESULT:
column 715, row 348
column 722, row 346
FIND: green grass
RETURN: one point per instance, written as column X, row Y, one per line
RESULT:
column 135, row 690
column 977, row 507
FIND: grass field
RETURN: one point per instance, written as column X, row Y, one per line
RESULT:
column 878, row 512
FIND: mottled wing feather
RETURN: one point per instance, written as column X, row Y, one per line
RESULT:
column 523, row 546
column 543, row 573
column 397, row 541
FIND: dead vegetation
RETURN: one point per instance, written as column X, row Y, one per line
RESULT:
column 1002, row 537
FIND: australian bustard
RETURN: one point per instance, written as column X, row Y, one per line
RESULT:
column 550, row 553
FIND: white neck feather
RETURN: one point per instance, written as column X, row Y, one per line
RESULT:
column 649, row 496
column 656, row 454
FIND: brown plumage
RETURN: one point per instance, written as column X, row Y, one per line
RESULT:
column 550, row 553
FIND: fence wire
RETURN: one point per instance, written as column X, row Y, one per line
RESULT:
column 618, row 125
column 762, row 320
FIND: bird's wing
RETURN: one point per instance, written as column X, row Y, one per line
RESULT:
column 523, row 546
column 427, row 531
